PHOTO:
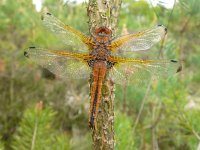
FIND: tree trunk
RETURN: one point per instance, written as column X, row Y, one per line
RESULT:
column 104, row 13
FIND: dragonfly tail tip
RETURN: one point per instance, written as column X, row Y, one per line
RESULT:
column 91, row 124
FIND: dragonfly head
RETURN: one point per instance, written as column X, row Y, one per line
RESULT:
column 102, row 34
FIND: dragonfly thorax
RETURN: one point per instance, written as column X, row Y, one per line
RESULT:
column 100, row 53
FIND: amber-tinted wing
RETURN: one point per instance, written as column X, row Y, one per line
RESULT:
column 138, row 72
column 67, row 34
column 61, row 63
column 139, row 41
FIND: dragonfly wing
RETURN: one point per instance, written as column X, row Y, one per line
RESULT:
column 69, row 35
column 139, row 72
column 61, row 63
column 139, row 41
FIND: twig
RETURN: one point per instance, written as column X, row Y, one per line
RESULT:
column 104, row 13
column 142, row 106
column 156, row 121
column 164, row 38
column 153, row 132
column 124, row 97
column 187, row 122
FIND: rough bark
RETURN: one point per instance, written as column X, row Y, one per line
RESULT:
column 104, row 13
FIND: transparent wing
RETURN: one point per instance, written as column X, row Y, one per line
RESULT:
column 139, row 72
column 139, row 41
column 67, row 34
column 63, row 64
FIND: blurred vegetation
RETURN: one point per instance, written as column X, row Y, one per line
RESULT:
column 164, row 115
column 35, row 132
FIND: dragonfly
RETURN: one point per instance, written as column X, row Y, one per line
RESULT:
column 100, row 56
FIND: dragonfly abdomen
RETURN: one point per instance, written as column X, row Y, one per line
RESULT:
column 98, row 75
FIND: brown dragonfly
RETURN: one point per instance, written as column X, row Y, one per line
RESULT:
column 100, row 55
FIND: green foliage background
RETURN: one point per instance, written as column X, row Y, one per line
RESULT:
column 165, row 115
